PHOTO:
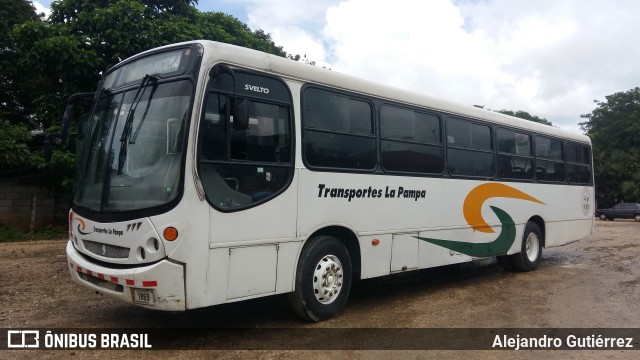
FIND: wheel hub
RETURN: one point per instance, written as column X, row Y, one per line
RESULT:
column 327, row 279
column 532, row 246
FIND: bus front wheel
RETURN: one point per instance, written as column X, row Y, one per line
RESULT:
column 531, row 249
column 323, row 279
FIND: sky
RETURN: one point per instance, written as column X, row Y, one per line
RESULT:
column 551, row 58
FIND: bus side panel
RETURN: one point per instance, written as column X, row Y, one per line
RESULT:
column 375, row 259
column 247, row 272
column 217, row 274
column 568, row 215
column 252, row 271
column 449, row 210
column 431, row 255
column 561, row 233
column 404, row 252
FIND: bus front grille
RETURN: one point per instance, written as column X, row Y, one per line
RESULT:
column 106, row 250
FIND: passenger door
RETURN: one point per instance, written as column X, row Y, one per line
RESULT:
column 246, row 166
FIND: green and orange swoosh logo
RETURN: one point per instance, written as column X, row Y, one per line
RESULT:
column 472, row 210
column 81, row 226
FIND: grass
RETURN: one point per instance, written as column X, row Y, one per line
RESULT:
column 50, row 232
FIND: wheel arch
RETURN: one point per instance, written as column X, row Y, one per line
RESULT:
column 350, row 240
column 536, row 219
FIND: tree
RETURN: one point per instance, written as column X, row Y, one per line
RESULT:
column 525, row 115
column 12, row 12
column 45, row 61
column 614, row 128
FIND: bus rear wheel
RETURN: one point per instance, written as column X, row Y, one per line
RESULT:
column 530, row 253
column 323, row 279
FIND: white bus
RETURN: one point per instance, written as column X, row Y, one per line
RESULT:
column 209, row 173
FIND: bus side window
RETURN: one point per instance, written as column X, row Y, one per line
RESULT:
column 242, row 166
column 411, row 141
column 550, row 164
column 338, row 131
column 515, row 159
column 469, row 149
column 578, row 163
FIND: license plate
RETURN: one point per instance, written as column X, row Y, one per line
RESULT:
column 143, row 296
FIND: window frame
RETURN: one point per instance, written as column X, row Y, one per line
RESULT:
column 228, row 160
column 587, row 162
column 549, row 159
column 502, row 153
column 382, row 139
column 493, row 150
column 374, row 127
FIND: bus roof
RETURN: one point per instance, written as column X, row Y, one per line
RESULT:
column 236, row 55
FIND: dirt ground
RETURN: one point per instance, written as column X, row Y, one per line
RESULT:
column 592, row 283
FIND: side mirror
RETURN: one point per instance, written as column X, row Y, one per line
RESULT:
column 241, row 115
column 68, row 115
column 63, row 136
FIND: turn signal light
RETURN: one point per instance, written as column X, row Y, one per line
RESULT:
column 375, row 242
column 170, row 233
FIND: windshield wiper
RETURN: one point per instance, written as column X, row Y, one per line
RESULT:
column 144, row 115
column 126, row 131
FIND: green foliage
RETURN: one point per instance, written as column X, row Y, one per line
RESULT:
column 614, row 128
column 525, row 115
column 13, row 145
column 12, row 12
column 45, row 61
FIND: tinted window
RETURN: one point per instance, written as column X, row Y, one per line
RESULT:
column 514, row 167
column 515, row 160
column 465, row 134
column 576, row 153
column 547, row 148
column 550, row 170
column 579, row 163
column 267, row 137
column 404, row 124
column 470, row 148
column 241, row 165
column 327, row 111
column 578, row 174
column 407, row 157
column 407, row 136
column 339, row 150
column 515, row 143
column 470, row 163
column 338, row 132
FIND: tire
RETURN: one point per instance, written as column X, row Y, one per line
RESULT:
column 505, row 262
column 530, row 253
column 323, row 279
column 603, row 216
column 636, row 217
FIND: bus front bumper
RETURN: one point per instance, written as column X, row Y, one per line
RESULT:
column 157, row 286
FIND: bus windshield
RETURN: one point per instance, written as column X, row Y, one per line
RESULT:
column 133, row 144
